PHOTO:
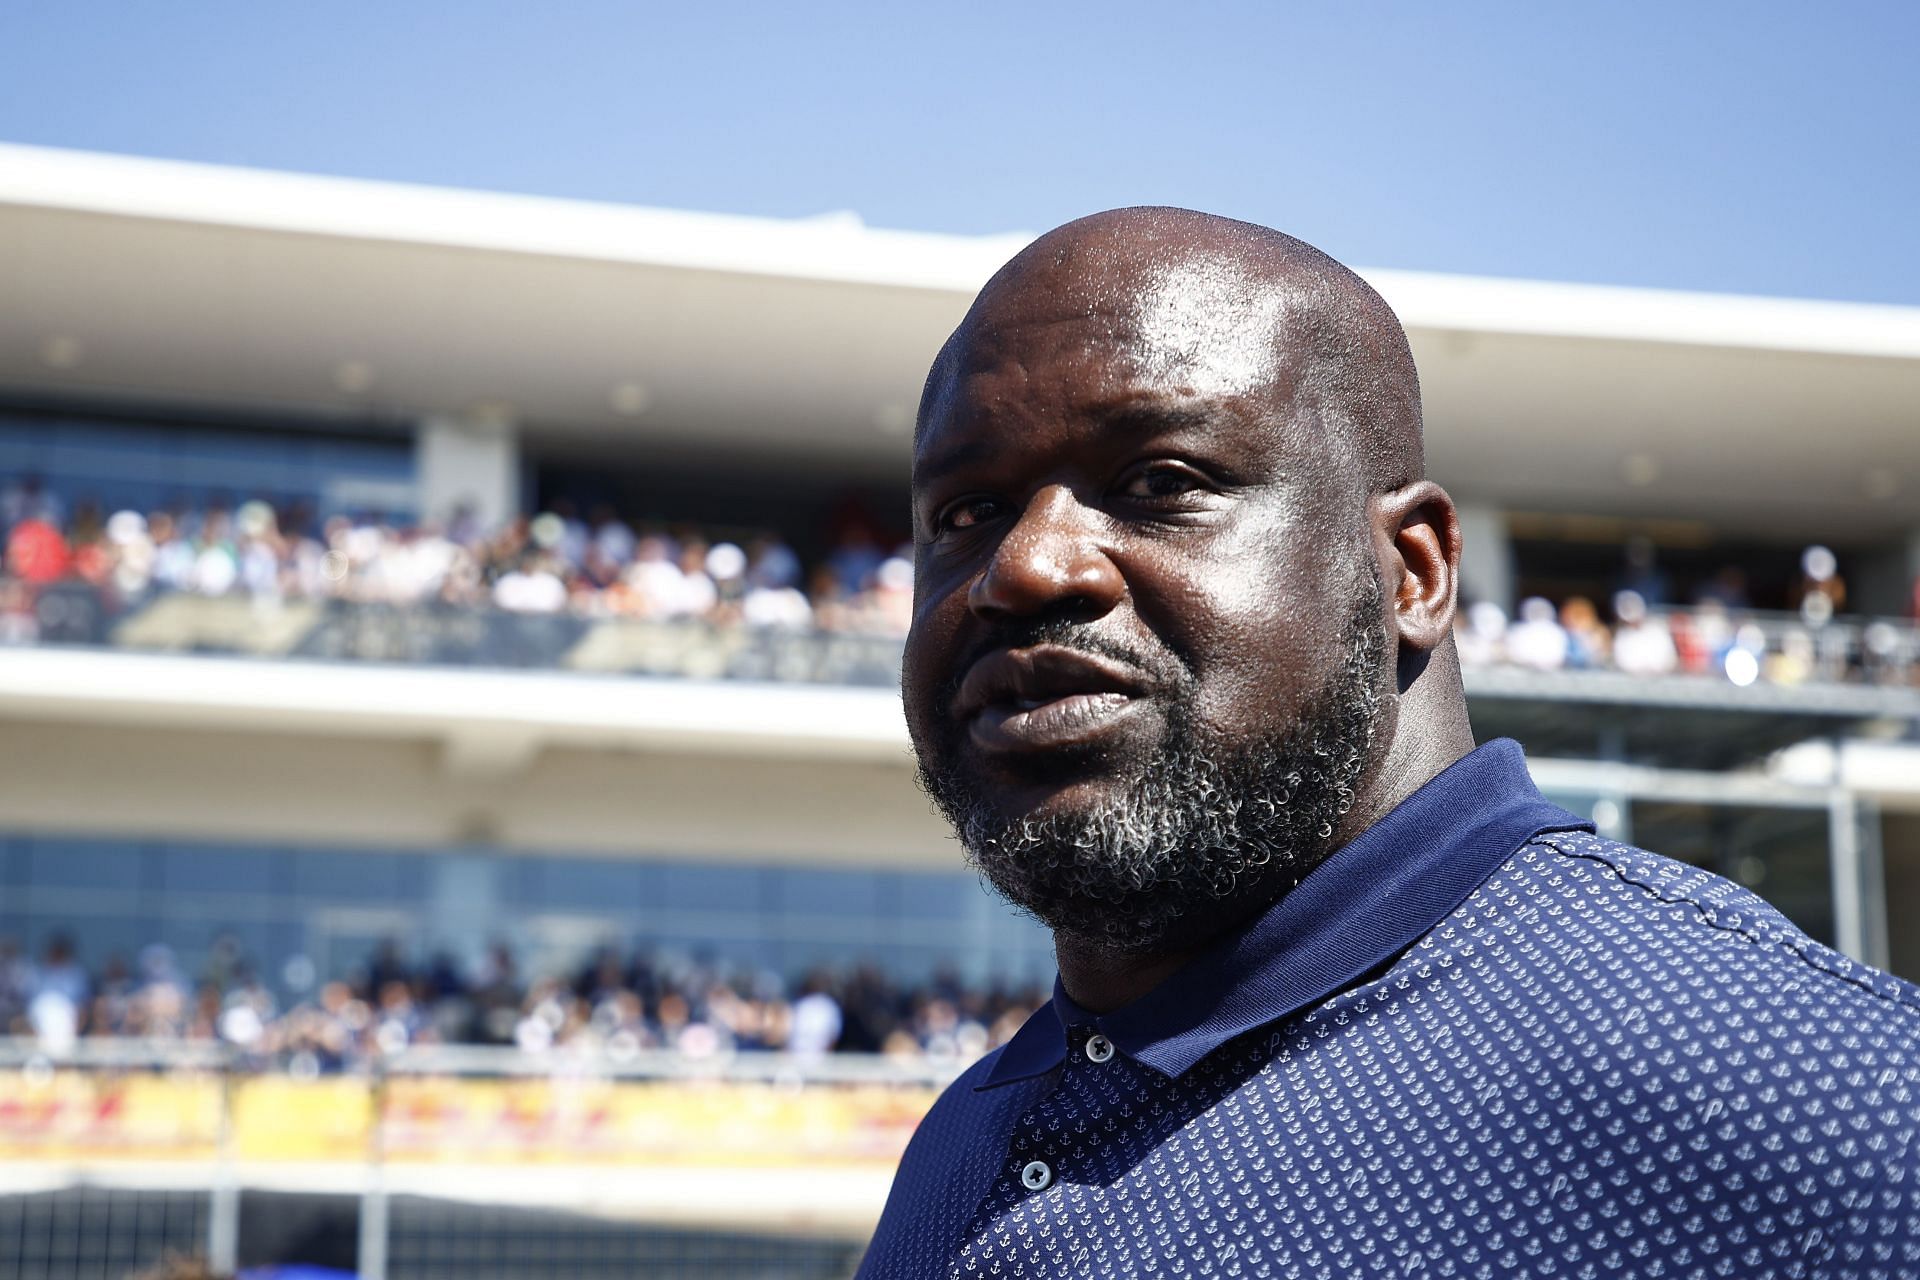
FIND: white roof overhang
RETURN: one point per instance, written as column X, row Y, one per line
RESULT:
column 807, row 340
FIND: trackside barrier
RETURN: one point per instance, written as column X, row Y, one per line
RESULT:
column 200, row 1128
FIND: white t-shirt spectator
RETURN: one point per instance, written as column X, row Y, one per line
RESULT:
column 782, row 607
column 537, row 591
column 214, row 570
column 1537, row 640
column 816, row 1024
column 1645, row 648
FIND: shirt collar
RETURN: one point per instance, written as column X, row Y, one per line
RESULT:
column 1369, row 901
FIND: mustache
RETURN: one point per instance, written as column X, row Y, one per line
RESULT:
column 1164, row 667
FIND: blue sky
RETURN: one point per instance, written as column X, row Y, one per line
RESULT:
column 1754, row 147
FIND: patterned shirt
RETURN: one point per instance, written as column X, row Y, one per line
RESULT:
column 1477, row 1041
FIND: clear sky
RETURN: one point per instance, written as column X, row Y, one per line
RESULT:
column 1750, row 147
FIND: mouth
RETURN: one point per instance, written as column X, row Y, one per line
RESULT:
column 1046, row 698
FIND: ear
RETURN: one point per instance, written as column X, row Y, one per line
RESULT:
column 1416, row 540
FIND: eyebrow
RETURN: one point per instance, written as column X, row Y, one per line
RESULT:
column 1140, row 418
column 951, row 459
column 1149, row 418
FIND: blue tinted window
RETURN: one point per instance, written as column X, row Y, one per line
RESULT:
column 150, row 465
column 14, row 863
column 598, row 884
column 199, row 869
column 937, row 895
column 87, row 864
column 100, row 937
column 710, row 888
column 347, row 875
column 828, row 893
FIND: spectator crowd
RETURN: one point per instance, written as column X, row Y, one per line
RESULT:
column 603, row 566
column 612, row 1005
column 1717, row 634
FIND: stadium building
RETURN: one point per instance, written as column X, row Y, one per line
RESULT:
column 324, row 765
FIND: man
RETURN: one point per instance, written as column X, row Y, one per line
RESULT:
column 1339, row 993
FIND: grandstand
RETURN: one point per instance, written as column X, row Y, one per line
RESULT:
column 447, row 647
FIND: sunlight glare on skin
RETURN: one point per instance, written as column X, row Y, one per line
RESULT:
column 1210, row 328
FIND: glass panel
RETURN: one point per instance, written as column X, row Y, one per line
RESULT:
column 347, row 875
column 807, row 891
column 710, row 887
column 86, row 864
column 596, row 883
column 942, row 895
column 208, row 869
column 150, row 466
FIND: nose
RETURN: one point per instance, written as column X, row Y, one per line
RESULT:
column 1051, row 561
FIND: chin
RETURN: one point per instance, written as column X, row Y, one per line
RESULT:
column 1032, row 799
column 1059, row 783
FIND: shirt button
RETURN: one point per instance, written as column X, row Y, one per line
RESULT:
column 1099, row 1048
column 1036, row 1176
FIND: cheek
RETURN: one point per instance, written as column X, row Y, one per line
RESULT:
column 927, row 662
column 1264, row 623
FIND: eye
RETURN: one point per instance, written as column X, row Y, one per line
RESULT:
column 1160, row 482
column 966, row 514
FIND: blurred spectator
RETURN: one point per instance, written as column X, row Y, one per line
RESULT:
column 1642, row 644
column 1643, row 575
column 1589, row 643
column 816, row 1018
column 854, row 560
column 608, row 1005
column 60, row 993
column 37, row 552
column 1821, row 591
column 26, row 498
column 1538, row 640
column 1728, row 589
column 530, row 587
column 1480, row 634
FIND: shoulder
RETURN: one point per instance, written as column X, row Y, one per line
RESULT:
column 1688, row 911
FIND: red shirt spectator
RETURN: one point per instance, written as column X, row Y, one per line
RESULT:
column 37, row 552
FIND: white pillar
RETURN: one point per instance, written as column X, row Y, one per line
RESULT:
column 471, row 463
column 1858, row 877
column 1486, row 556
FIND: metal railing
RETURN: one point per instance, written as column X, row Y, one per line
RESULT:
column 1739, row 648
column 208, row 1117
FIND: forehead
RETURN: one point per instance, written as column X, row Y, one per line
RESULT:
column 1085, row 341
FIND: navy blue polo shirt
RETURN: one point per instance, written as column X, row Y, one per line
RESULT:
column 1477, row 1041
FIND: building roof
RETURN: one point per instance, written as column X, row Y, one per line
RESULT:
column 806, row 340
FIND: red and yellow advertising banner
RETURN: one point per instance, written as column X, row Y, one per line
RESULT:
column 88, row 1114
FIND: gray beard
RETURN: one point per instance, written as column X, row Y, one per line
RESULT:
column 1207, row 835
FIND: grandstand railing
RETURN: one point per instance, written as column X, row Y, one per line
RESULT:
column 206, row 1115
column 1739, row 649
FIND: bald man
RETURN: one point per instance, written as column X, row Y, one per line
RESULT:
column 1340, row 993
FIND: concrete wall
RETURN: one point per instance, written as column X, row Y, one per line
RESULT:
column 397, row 793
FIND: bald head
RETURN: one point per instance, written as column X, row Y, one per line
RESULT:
column 1221, row 307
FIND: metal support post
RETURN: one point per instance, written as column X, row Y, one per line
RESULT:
column 1844, row 867
column 373, row 1199
column 223, row 1214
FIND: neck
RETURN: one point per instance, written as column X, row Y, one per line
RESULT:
column 1101, row 980
column 1424, row 731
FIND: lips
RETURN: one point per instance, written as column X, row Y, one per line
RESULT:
column 1045, row 698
